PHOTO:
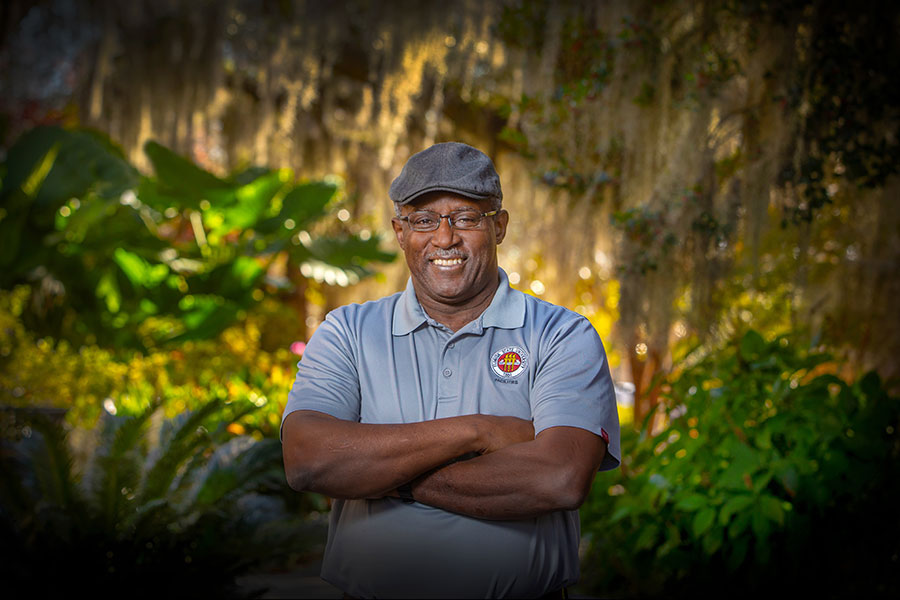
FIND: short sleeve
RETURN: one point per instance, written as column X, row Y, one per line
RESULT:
column 573, row 387
column 327, row 379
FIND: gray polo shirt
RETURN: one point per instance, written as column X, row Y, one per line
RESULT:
column 388, row 362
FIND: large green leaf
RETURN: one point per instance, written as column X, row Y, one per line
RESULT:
column 11, row 229
column 692, row 503
column 703, row 520
column 206, row 317
column 307, row 202
column 26, row 155
column 138, row 270
column 86, row 161
column 250, row 203
column 180, row 175
column 66, row 216
column 233, row 280
column 752, row 345
column 351, row 253
column 153, row 193
column 734, row 505
column 302, row 205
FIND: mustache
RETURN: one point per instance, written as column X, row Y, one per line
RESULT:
column 445, row 255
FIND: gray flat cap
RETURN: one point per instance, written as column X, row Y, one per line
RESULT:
column 448, row 167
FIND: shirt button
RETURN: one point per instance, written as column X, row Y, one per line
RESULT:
column 447, row 372
column 451, row 344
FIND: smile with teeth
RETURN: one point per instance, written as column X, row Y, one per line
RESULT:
column 447, row 262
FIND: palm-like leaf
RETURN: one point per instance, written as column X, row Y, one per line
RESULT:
column 179, row 440
column 142, row 510
column 115, row 470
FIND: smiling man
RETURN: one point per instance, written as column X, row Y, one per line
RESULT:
column 459, row 423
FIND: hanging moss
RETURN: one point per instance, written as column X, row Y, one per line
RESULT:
column 772, row 115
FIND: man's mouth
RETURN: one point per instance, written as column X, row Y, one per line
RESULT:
column 447, row 262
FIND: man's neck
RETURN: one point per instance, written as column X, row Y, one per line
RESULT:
column 455, row 317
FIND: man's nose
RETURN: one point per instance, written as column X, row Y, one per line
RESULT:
column 444, row 236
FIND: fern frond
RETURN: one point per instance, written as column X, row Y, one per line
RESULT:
column 114, row 473
column 180, row 439
column 52, row 463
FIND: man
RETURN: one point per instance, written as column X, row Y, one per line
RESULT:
column 459, row 424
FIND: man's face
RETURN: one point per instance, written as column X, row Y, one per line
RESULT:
column 449, row 266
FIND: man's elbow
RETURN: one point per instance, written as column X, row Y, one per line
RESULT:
column 573, row 457
column 302, row 463
column 571, row 488
column 299, row 477
column 572, row 496
column 301, row 468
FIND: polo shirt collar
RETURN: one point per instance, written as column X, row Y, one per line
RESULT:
column 506, row 310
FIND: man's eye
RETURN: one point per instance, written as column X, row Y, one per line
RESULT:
column 422, row 221
column 466, row 218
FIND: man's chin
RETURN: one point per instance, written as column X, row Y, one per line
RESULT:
column 446, row 289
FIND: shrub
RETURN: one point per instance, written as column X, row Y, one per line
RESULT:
column 231, row 368
column 770, row 473
column 144, row 506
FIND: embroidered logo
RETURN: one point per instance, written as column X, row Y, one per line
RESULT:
column 509, row 362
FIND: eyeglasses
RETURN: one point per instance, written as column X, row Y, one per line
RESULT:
column 427, row 220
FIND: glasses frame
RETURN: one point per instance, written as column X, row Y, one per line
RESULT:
column 449, row 218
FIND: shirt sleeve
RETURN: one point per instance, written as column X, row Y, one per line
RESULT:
column 573, row 387
column 327, row 379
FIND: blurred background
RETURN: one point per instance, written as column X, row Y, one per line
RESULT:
column 189, row 187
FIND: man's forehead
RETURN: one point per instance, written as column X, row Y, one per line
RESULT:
column 434, row 199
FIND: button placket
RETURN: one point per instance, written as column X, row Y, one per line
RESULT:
column 448, row 360
column 448, row 381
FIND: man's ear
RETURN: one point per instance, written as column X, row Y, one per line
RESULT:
column 500, row 223
column 397, row 224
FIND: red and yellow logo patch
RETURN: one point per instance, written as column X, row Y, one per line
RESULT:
column 509, row 362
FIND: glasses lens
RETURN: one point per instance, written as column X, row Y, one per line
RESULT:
column 424, row 220
column 466, row 219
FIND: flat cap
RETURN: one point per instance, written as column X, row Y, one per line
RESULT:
column 447, row 167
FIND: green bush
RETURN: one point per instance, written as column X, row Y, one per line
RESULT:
column 143, row 506
column 770, row 473
column 233, row 367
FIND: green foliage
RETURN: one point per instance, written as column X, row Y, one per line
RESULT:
column 158, row 506
column 769, row 473
column 122, row 259
column 232, row 367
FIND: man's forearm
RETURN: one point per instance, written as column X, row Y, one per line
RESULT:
column 521, row 481
column 344, row 459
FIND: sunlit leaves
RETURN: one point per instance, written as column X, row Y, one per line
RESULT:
column 138, row 270
column 183, row 245
column 303, row 204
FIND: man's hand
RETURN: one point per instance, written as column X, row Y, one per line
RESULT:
column 345, row 459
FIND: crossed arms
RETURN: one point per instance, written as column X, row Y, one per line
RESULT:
column 515, row 475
